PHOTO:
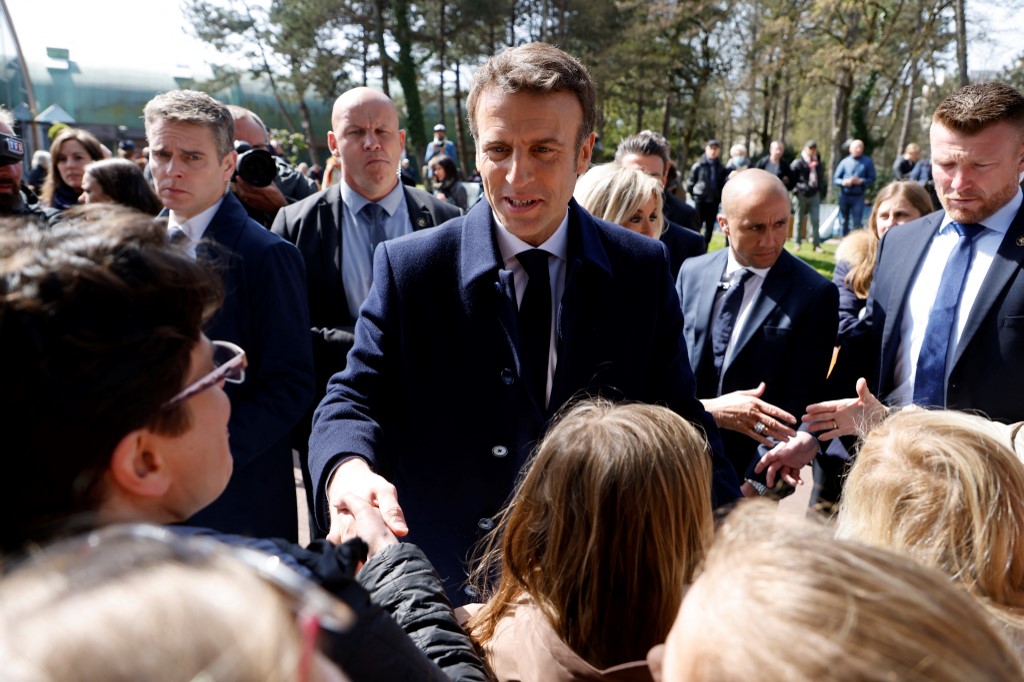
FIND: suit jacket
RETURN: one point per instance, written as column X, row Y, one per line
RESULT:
column 786, row 342
column 987, row 371
column 679, row 212
column 681, row 244
column 314, row 226
column 432, row 395
column 265, row 313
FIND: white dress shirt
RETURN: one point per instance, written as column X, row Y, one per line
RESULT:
column 924, row 287
column 557, row 245
column 195, row 227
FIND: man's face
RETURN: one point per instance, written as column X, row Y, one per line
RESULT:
column 199, row 461
column 652, row 164
column 856, row 148
column 10, row 179
column 439, row 135
column 711, row 151
column 527, row 158
column 757, row 225
column 189, row 175
column 369, row 145
column 976, row 175
column 775, row 151
column 248, row 130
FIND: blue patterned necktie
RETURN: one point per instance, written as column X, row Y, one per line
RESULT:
column 535, row 322
column 375, row 216
column 930, row 378
column 727, row 314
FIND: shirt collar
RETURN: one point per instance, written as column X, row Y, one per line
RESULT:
column 195, row 227
column 733, row 266
column 509, row 245
column 356, row 201
column 999, row 221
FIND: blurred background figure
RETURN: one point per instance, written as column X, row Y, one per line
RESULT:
column 597, row 547
column 72, row 150
column 40, row 169
column 119, row 181
column 859, row 614
column 446, row 184
column 810, row 184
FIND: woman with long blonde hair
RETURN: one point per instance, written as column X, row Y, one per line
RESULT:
column 624, row 196
column 609, row 524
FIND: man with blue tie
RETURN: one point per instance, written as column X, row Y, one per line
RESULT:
column 947, row 303
column 474, row 334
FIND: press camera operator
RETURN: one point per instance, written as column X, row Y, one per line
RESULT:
column 15, row 198
column 263, row 182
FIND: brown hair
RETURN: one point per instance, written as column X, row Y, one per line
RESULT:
column 860, row 249
column 123, row 181
column 979, row 105
column 197, row 108
column 98, row 318
column 945, row 488
column 53, row 179
column 859, row 613
column 536, row 68
column 606, row 529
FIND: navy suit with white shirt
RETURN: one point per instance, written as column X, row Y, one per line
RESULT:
column 984, row 370
column 265, row 312
column 432, row 396
column 784, row 337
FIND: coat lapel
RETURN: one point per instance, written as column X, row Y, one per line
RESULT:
column 775, row 287
column 1007, row 262
column 707, row 291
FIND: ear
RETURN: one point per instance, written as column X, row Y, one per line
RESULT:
column 401, row 137
column 332, row 144
column 723, row 223
column 586, row 152
column 137, row 468
column 228, row 165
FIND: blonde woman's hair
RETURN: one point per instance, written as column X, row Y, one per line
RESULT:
column 614, row 193
column 780, row 599
column 608, row 526
column 945, row 488
column 138, row 608
column 860, row 248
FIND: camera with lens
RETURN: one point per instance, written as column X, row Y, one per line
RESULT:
column 12, row 149
column 255, row 166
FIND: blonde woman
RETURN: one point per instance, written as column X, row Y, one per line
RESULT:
column 594, row 552
column 946, row 489
column 624, row 196
column 779, row 599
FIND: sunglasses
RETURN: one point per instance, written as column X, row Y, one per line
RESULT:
column 229, row 364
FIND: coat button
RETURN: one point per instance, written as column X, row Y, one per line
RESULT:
column 508, row 377
column 499, row 451
column 485, row 524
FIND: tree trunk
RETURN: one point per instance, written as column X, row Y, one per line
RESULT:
column 960, row 12
column 666, row 115
column 840, row 116
column 405, row 71
column 442, row 31
column 307, row 128
column 460, row 126
column 908, row 110
column 385, row 61
column 784, row 122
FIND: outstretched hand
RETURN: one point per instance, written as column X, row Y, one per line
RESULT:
column 743, row 411
column 786, row 459
column 845, row 417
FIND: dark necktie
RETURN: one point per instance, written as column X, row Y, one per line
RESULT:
column 535, row 322
column 727, row 314
column 375, row 216
column 176, row 235
column 930, row 378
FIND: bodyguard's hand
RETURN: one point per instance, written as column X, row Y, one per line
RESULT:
column 849, row 416
column 353, row 480
column 745, row 412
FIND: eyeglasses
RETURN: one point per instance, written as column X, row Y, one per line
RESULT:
column 229, row 364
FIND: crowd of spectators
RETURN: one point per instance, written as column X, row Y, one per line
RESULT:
column 541, row 435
